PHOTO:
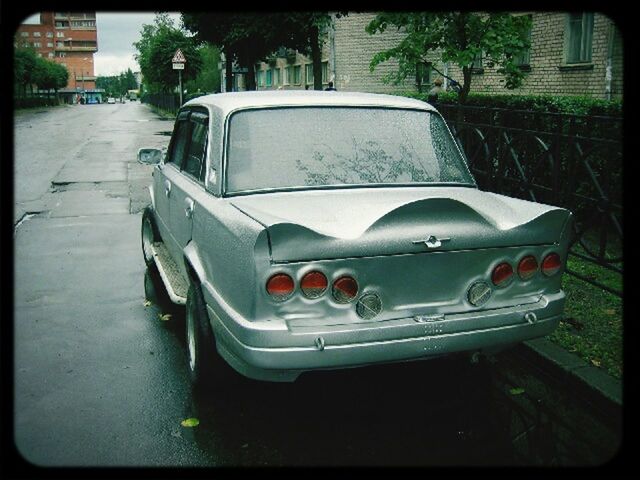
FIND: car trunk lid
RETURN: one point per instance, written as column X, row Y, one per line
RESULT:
column 354, row 223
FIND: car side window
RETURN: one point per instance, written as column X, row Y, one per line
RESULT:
column 179, row 143
column 197, row 148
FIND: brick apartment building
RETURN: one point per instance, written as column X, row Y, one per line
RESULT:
column 70, row 39
column 570, row 54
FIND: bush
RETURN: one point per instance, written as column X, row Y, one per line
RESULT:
column 573, row 105
column 34, row 102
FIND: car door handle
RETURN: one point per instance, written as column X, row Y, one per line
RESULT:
column 188, row 207
column 167, row 187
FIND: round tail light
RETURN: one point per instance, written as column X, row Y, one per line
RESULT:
column 502, row 275
column 551, row 264
column 527, row 267
column 313, row 284
column 280, row 286
column 344, row 289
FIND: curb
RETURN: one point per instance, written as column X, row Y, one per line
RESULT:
column 586, row 381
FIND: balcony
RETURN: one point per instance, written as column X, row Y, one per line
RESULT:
column 77, row 49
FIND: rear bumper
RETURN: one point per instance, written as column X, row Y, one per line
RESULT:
column 283, row 354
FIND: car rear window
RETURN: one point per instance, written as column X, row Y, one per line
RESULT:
column 298, row 147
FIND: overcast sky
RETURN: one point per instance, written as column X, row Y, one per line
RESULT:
column 116, row 34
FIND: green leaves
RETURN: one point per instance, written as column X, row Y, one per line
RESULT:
column 190, row 422
column 156, row 48
column 456, row 37
column 516, row 391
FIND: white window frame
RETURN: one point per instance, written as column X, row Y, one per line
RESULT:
column 308, row 68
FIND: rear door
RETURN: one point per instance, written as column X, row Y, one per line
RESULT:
column 190, row 181
column 164, row 177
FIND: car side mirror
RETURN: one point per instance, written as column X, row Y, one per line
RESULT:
column 150, row 156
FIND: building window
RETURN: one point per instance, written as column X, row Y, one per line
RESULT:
column 309, row 73
column 61, row 54
column 260, row 78
column 297, row 74
column 277, row 77
column 24, row 34
column 49, row 34
column 423, row 74
column 524, row 58
column 36, row 34
column 578, row 37
column 37, row 44
column 49, row 44
column 60, row 34
column 269, row 75
column 476, row 66
column 60, row 44
column 325, row 72
column 50, row 54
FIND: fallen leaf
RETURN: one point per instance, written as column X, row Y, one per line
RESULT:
column 147, row 303
column 610, row 311
column 190, row 422
column 595, row 362
column 516, row 391
column 165, row 317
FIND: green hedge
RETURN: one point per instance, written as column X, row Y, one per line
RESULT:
column 540, row 103
column 34, row 102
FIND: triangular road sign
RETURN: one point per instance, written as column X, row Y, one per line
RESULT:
column 179, row 57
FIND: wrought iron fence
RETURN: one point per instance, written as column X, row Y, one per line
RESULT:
column 165, row 101
column 570, row 161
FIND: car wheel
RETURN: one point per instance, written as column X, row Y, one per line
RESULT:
column 149, row 235
column 206, row 368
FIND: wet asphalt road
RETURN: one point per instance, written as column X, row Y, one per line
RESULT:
column 101, row 380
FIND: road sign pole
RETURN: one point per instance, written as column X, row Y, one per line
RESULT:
column 180, row 81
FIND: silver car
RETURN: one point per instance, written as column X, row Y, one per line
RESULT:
column 322, row 230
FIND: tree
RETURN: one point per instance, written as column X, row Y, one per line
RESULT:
column 208, row 80
column 117, row 85
column 48, row 75
column 457, row 37
column 244, row 38
column 305, row 31
column 24, row 66
column 156, row 48
column 250, row 37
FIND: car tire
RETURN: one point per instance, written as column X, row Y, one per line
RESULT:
column 149, row 235
column 206, row 368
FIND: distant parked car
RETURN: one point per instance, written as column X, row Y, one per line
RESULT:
column 111, row 100
column 315, row 230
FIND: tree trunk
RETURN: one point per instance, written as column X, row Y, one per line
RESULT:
column 466, row 85
column 251, row 76
column 228, row 69
column 316, row 56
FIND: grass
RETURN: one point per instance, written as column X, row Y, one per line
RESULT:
column 592, row 325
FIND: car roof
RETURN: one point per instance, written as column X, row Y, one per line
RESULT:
column 229, row 102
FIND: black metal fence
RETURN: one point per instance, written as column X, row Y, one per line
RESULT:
column 570, row 161
column 166, row 101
